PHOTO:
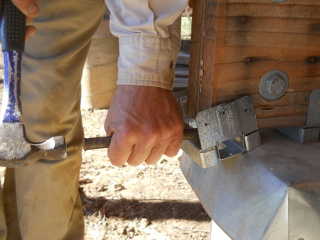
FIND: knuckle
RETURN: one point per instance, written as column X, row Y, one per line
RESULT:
column 125, row 138
column 149, row 136
column 171, row 132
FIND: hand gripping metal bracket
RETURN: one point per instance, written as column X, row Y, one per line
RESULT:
column 311, row 131
column 225, row 131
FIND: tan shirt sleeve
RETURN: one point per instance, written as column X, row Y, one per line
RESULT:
column 149, row 40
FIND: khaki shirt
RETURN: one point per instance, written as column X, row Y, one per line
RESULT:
column 149, row 40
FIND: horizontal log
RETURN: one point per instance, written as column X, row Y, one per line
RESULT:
column 295, row 98
column 238, row 78
column 269, row 9
column 251, row 54
column 281, row 111
column 271, row 40
column 281, row 121
column 286, row 3
column 246, row 23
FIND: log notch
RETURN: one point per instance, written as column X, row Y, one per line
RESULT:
column 235, row 42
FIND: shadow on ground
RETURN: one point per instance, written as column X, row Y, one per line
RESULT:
column 152, row 210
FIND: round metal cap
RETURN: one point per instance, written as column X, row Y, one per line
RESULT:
column 273, row 85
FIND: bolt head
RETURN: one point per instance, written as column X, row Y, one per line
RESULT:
column 275, row 85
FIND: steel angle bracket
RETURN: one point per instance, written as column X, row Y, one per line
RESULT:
column 181, row 99
column 311, row 131
column 225, row 131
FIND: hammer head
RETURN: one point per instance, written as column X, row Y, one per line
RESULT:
column 16, row 151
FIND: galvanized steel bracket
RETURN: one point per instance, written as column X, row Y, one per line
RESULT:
column 225, row 131
column 311, row 131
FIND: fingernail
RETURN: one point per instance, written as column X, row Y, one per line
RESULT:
column 33, row 9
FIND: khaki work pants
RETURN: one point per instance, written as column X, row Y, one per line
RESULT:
column 41, row 201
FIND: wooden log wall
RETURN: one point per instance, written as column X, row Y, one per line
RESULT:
column 235, row 42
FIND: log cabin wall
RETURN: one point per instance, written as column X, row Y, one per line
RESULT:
column 235, row 42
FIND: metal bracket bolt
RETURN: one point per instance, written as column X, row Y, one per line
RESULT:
column 273, row 85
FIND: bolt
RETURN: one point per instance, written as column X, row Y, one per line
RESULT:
column 275, row 85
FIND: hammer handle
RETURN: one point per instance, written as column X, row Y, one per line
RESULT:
column 13, row 27
column 13, row 31
column 104, row 142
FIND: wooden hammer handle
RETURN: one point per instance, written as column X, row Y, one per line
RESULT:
column 104, row 142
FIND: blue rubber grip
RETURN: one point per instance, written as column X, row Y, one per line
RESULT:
column 13, row 27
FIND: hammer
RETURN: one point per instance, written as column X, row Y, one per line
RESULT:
column 15, row 149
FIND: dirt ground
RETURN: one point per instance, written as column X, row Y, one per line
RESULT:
column 144, row 202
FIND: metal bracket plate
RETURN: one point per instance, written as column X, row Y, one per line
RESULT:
column 181, row 99
column 313, row 117
column 225, row 131
column 311, row 131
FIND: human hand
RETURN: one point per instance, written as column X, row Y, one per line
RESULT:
column 145, row 123
column 30, row 8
